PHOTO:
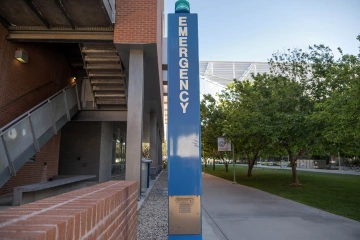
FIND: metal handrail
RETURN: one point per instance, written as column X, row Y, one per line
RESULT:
column 20, row 97
column 26, row 114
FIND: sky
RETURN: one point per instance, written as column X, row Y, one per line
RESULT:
column 251, row 30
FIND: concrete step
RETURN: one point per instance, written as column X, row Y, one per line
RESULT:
column 116, row 67
column 106, row 74
column 111, row 102
column 109, row 88
column 99, row 51
column 102, row 59
column 107, row 82
column 109, row 95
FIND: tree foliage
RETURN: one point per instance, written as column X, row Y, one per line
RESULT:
column 211, row 128
column 309, row 104
column 245, row 123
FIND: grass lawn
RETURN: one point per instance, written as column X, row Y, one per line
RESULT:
column 335, row 193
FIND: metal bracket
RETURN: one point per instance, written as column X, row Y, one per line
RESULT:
column 36, row 143
column 66, row 106
column 11, row 165
column 52, row 118
column 77, row 97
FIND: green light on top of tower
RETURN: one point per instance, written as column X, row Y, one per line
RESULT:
column 182, row 6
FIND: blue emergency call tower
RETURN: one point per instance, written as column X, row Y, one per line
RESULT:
column 184, row 153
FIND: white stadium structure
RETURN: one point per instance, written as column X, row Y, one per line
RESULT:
column 216, row 75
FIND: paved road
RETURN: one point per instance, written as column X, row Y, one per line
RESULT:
column 236, row 212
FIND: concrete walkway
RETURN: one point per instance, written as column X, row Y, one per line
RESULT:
column 236, row 212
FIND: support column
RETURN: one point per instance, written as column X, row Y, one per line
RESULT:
column 135, row 115
column 106, row 151
column 159, row 151
column 153, row 146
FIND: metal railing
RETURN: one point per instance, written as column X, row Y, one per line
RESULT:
column 24, row 136
column 24, row 95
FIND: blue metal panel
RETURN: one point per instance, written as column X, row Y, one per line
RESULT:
column 183, row 127
column 184, row 153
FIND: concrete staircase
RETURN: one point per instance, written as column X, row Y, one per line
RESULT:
column 107, row 76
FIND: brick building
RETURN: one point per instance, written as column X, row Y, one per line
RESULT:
column 89, row 93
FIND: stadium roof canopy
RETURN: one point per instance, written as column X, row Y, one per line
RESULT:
column 224, row 72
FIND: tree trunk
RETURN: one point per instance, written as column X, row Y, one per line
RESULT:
column 249, row 171
column 213, row 164
column 205, row 163
column 251, row 164
column 227, row 167
column 295, row 178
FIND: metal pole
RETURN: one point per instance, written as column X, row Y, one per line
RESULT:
column 234, row 182
column 339, row 159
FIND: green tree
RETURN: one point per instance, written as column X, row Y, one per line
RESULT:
column 297, row 82
column 340, row 110
column 211, row 128
column 307, row 87
column 247, row 118
column 308, row 104
column 292, row 119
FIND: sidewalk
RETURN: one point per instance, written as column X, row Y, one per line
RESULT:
column 236, row 212
column 349, row 172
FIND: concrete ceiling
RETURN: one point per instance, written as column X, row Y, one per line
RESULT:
column 51, row 14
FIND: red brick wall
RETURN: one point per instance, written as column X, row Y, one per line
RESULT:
column 46, row 65
column 104, row 211
column 136, row 21
column 35, row 172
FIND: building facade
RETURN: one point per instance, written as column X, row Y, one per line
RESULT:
column 84, row 91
